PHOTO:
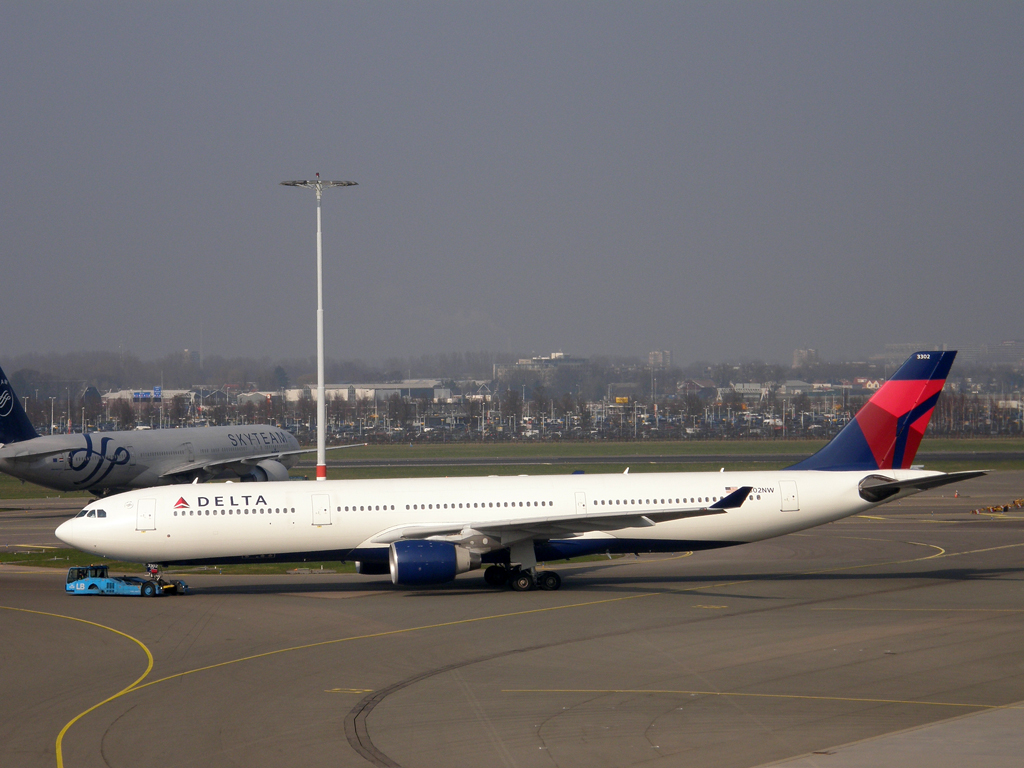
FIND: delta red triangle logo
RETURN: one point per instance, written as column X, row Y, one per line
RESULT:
column 182, row 504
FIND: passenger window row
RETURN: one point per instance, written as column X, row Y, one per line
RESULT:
column 691, row 500
column 490, row 504
column 461, row 505
column 453, row 505
column 215, row 512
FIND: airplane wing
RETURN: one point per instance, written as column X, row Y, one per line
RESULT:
column 242, row 461
column 542, row 528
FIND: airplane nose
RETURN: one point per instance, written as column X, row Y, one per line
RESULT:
column 66, row 532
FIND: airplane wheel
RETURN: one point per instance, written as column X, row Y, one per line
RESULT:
column 496, row 576
column 522, row 582
column 549, row 580
column 149, row 589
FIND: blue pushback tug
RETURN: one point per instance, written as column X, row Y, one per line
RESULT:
column 96, row 580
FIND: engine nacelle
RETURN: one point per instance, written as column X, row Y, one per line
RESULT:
column 418, row 562
column 372, row 568
column 268, row 469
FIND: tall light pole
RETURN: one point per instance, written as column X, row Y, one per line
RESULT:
column 318, row 186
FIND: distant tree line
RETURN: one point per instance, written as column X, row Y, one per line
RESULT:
column 68, row 377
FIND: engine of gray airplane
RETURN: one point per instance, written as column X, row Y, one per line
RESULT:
column 268, row 469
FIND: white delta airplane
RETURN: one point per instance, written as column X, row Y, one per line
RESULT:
column 427, row 531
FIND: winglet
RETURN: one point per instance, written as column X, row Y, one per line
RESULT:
column 734, row 499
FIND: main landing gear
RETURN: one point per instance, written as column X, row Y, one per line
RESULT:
column 522, row 579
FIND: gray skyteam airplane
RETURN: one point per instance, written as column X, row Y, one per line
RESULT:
column 427, row 531
column 109, row 462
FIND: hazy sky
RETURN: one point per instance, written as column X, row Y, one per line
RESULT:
column 722, row 180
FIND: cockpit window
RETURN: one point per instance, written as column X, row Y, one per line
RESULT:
column 101, row 513
column 92, row 513
column 83, row 513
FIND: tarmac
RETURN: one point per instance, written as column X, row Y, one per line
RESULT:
column 892, row 638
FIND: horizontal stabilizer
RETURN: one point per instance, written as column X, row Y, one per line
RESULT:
column 27, row 452
column 881, row 491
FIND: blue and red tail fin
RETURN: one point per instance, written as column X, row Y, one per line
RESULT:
column 887, row 431
column 14, row 424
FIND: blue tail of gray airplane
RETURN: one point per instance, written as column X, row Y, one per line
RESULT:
column 14, row 424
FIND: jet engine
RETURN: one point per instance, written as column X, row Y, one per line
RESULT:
column 419, row 562
column 268, row 469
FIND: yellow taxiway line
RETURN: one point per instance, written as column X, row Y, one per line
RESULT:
column 139, row 685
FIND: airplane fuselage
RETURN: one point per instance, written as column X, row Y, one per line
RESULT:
column 429, row 531
column 103, row 462
column 351, row 519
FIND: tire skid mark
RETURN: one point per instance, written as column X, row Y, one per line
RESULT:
column 357, row 730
